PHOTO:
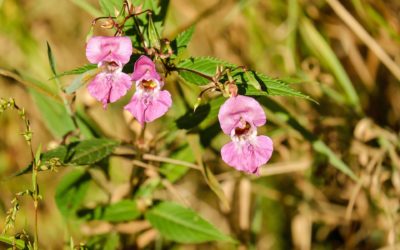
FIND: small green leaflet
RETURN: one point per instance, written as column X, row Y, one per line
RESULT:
column 183, row 225
column 181, row 42
column 204, row 65
column 77, row 71
column 51, row 59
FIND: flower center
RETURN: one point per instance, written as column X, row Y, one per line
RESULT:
column 149, row 84
column 111, row 66
column 243, row 132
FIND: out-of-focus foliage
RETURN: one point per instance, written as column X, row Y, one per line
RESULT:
column 333, row 181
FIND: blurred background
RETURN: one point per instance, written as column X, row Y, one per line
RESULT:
column 344, row 54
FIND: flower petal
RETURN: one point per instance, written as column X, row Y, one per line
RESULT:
column 145, row 69
column 159, row 106
column 106, row 87
column 109, row 48
column 137, row 107
column 249, row 156
column 146, row 107
column 240, row 107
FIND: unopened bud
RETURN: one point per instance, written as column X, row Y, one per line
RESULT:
column 197, row 104
column 232, row 89
column 137, row 9
column 108, row 24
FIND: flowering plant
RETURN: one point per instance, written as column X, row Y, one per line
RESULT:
column 134, row 62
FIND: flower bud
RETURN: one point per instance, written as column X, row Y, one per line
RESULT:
column 108, row 24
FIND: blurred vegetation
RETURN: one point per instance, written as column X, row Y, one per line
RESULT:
column 345, row 55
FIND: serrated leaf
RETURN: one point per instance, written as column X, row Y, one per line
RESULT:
column 77, row 153
column 180, row 43
column 183, row 225
column 89, row 151
column 125, row 210
column 247, row 81
column 204, row 65
column 71, row 191
column 268, row 86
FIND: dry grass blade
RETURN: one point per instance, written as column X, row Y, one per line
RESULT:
column 284, row 168
column 365, row 37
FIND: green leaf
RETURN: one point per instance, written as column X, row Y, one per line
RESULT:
column 268, row 86
column 89, row 151
column 71, row 191
column 248, row 81
column 125, row 210
column 51, row 59
column 183, row 225
column 108, row 7
column 77, row 153
column 180, row 43
column 204, row 65
column 77, row 71
column 81, row 80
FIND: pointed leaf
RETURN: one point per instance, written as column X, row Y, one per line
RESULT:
column 181, row 42
column 77, row 153
column 77, row 71
column 248, row 81
column 182, row 224
column 89, row 151
column 51, row 59
column 204, row 65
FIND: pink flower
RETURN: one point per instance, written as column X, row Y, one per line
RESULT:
column 239, row 117
column 149, row 102
column 110, row 54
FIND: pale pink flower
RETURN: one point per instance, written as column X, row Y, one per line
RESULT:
column 149, row 102
column 110, row 54
column 239, row 117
